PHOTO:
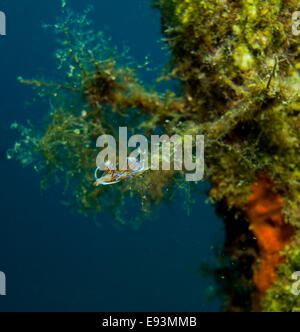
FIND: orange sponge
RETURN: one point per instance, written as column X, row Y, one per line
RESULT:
column 264, row 211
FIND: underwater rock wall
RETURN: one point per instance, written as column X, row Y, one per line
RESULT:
column 238, row 62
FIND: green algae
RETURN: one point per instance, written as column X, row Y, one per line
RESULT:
column 238, row 63
column 281, row 297
column 98, row 93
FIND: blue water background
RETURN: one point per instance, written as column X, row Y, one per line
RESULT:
column 56, row 260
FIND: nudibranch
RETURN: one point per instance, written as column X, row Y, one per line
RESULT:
column 112, row 176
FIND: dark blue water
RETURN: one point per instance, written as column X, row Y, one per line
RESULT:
column 55, row 260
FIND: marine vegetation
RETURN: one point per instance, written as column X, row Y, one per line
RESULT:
column 238, row 64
